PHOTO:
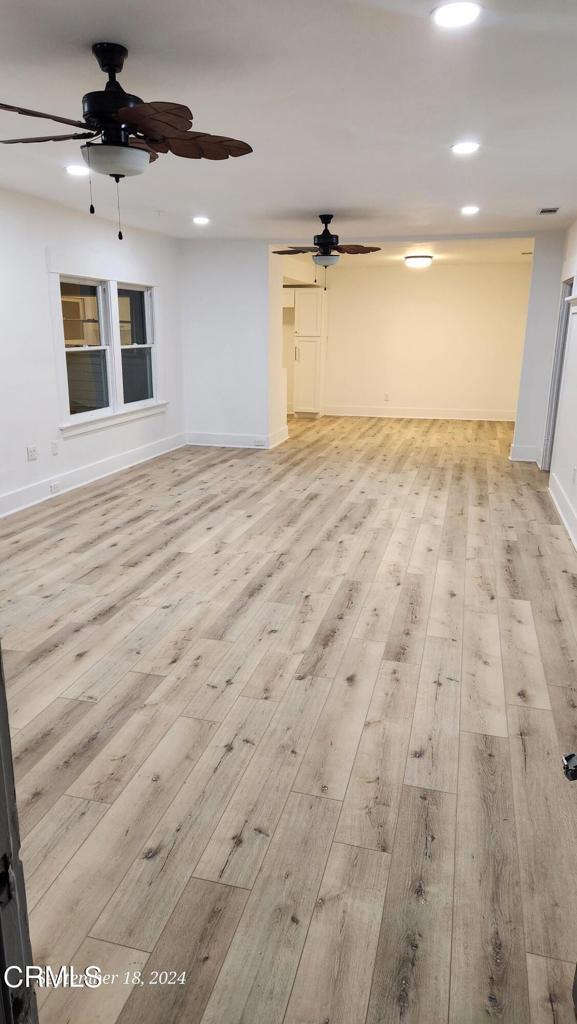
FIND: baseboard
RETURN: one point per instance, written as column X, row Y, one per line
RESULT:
column 238, row 440
column 278, row 437
column 33, row 494
column 404, row 413
column 564, row 507
column 525, row 453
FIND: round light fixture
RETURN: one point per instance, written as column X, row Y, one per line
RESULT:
column 469, row 211
column 200, row 221
column 418, row 262
column 325, row 261
column 465, row 148
column 77, row 170
column 117, row 161
column 456, row 15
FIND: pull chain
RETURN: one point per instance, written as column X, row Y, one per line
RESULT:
column 120, row 235
column 89, row 178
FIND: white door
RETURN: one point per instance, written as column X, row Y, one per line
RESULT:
column 305, row 393
column 308, row 312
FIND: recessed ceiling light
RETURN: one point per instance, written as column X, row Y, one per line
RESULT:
column 77, row 170
column 200, row 221
column 465, row 148
column 456, row 15
column 418, row 261
column 469, row 211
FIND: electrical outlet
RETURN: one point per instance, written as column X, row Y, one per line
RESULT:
column 32, row 453
column 55, row 448
column 386, row 398
column 54, row 487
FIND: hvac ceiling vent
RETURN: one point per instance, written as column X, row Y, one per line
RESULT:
column 547, row 210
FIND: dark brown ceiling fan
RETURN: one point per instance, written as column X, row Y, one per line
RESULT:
column 326, row 250
column 123, row 133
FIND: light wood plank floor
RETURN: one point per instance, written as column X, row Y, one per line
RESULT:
column 291, row 722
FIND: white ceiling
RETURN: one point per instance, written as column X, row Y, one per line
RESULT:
column 461, row 250
column 350, row 105
column 458, row 250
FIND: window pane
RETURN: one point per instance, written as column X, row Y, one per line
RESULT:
column 136, row 374
column 132, row 317
column 87, row 383
column 80, row 314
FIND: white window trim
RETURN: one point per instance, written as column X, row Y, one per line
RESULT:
column 116, row 412
column 110, row 419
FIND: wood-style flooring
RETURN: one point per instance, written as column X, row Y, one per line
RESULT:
column 291, row 722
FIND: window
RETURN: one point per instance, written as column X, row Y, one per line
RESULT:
column 86, row 354
column 108, row 345
column 135, row 348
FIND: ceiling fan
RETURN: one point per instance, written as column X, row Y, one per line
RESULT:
column 326, row 250
column 125, row 134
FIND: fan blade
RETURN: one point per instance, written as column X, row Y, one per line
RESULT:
column 199, row 145
column 142, row 144
column 37, row 113
column 294, row 251
column 357, row 250
column 52, row 138
column 158, row 119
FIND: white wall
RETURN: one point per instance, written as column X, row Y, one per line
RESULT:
column 441, row 342
column 539, row 347
column 36, row 236
column 227, row 300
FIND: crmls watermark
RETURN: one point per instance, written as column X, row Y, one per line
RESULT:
column 46, row 977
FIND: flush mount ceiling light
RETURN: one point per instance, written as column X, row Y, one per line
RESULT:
column 77, row 170
column 469, row 211
column 418, row 262
column 456, row 15
column 465, row 148
column 200, row 221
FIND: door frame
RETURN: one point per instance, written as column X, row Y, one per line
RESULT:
column 18, row 1004
column 556, row 375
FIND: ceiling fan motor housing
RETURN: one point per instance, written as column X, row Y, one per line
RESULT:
column 99, row 107
column 326, row 240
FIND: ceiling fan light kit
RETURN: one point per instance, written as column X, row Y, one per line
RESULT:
column 326, row 259
column 115, row 161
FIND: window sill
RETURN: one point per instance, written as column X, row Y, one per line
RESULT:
column 110, row 419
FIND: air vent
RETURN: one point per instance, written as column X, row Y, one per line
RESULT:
column 545, row 211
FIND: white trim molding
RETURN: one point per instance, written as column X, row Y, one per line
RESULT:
column 400, row 412
column 110, row 419
column 33, row 494
column 525, row 453
column 564, row 507
column 278, row 437
column 239, row 440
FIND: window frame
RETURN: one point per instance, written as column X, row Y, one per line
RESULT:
column 110, row 340
column 150, row 343
column 103, row 307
